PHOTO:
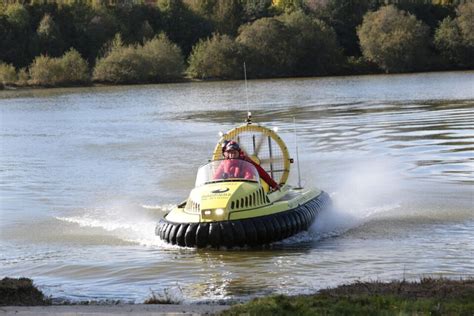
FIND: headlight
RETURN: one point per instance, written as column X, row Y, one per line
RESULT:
column 219, row 211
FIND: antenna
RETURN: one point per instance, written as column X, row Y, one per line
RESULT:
column 297, row 155
column 249, row 115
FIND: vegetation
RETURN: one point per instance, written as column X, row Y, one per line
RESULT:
column 158, row 60
column 7, row 74
column 276, row 38
column 455, row 37
column 395, row 40
column 20, row 292
column 427, row 297
column 217, row 57
column 70, row 69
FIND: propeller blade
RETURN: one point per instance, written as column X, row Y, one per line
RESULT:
column 270, row 160
column 258, row 145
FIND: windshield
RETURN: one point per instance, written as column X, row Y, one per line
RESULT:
column 227, row 170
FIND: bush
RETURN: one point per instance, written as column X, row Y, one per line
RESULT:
column 219, row 57
column 165, row 59
column 7, row 74
column 394, row 40
column 314, row 45
column 67, row 70
column 23, row 77
column 158, row 60
column 75, row 68
column 45, row 71
column 455, row 37
column 267, row 48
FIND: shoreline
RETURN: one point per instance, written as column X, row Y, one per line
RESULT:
column 5, row 88
column 439, row 295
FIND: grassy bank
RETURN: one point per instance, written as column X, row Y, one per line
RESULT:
column 425, row 297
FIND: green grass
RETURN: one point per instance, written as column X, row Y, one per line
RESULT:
column 426, row 297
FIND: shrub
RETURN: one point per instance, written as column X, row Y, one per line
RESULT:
column 7, row 73
column 75, row 68
column 157, row 60
column 164, row 58
column 45, row 71
column 394, row 40
column 267, row 48
column 455, row 37
column 67, row 70
column 218, row 57
column 23, row 77
column 314, row 45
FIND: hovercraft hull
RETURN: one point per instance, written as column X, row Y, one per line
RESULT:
column 251, row 232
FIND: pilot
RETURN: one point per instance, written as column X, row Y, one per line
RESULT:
column 232, row 154
column 232, row 166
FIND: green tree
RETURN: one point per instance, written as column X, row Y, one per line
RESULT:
column 165, row 59
column 267, row 48
column 17, row 15
column 394, row 40
column 455, row 37
column 7, row 73
column 69, row 69
column 147, row 31
column 256, row 9
column 183, row 26
column 288, row 5
column 344, row 17
column 50, row 42
column 75, row 68
column 158, row 60
column 219, row 57
column 45, row 71
column 314, row 45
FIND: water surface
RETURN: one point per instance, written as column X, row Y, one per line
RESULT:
column 85, row 174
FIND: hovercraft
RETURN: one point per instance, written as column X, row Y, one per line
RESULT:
column 239, row 210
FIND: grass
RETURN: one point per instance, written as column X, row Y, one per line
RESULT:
column 21, row 292
column 426, row 297
column 166, row 298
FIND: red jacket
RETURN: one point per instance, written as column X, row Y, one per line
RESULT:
column 261, row 172
column 234, row 168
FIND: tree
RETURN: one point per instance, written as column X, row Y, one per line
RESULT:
column 344, row 17
column 50, row 42
column 71, row 68
column 219, row 57
column 7, row 73
column 165, row 59
column 455, row 37
column 158, row 60
column 394, row 40
column 183, row 26
column 75, row 68
column 315, row 47
column 17, row 15
column 255, row 9
column 147, row 31
column 267, row 48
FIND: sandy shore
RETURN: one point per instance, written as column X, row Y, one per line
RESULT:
column 138, row 309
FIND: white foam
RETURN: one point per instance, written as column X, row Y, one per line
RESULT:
column 123, row 220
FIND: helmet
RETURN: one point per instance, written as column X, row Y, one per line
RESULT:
column 231, row 145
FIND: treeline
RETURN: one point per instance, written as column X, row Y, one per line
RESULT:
column 52, row 43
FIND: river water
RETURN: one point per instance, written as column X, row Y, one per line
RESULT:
column 87, row 172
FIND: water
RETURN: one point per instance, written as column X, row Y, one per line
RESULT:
column 87, row 172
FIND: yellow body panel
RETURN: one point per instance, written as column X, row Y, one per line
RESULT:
column 237, row 200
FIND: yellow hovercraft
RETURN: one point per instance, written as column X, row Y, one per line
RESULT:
column 224, row 211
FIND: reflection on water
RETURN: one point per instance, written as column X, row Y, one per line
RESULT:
column 85, row 173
